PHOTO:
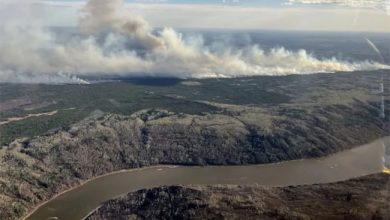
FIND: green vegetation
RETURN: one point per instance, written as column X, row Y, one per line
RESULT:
column 75, row 102
column 268, row 119
column 34, row 126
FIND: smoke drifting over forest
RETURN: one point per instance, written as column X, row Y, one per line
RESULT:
column 115, row 42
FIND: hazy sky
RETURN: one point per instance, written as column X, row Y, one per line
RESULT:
column 31, row 53
column 324, row 15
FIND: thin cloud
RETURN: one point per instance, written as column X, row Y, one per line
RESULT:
column 202, row 15
column 373, row 4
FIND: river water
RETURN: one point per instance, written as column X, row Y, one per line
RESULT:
column 77, row 203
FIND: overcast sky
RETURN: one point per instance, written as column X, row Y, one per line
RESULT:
column 311, row 15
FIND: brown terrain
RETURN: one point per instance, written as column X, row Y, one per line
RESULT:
column 322, row 114
column 362, row 198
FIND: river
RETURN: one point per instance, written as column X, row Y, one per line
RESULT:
column 78, row 202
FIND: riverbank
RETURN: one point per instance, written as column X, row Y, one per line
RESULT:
column 37, row 169
column 256, row 120
column 87, row 181
column 360, row 161
column 360, row 198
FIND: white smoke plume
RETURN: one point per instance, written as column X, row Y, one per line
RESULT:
column 104, row 15
column 117, row 43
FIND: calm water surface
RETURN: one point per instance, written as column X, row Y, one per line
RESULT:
column 77, row 203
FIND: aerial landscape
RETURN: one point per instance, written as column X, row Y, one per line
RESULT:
column 134, row 109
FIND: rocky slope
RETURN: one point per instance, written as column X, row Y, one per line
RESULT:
column 324, row 116
column 34, row 170
column 363, row 198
